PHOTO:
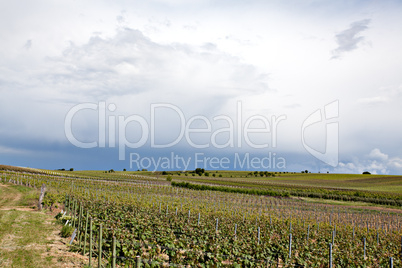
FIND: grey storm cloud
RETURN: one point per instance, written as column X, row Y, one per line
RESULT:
column 28, row 44
column 130, row 63
column 349, row 39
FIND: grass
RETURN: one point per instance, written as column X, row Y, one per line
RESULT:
column 25, row 239
column 22, row 233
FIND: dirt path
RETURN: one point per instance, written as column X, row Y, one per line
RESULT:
column 29, row 238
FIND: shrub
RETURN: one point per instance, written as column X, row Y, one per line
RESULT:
column 58, row 216
column 169, row 178
column 67, row 231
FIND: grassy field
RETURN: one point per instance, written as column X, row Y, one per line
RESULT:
column 29, row 238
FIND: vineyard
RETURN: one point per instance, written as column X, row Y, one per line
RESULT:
column 133, row 221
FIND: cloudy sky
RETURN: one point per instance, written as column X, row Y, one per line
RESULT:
column 101, row 85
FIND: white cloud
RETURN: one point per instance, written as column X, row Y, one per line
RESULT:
column 374, row 100
column 396, row 163
column 376, row 154
column 376, row 162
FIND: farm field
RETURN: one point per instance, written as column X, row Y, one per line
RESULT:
column 138, row 217
column 385, row 183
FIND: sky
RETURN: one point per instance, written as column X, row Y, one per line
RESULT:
column 175, row 85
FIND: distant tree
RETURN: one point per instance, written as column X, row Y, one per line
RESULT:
column 164, row 173
column 302, row 171
column 199, row 171
column 213, row 175
column 220, row 175
column 71, row 169
column 366, row 173
column 124, row 169
column 206, row 174
column 306, row 171
column 327, row 172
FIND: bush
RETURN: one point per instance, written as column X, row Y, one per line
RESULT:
column 169, row 178
column 366, row 173
column 199, row 171
column 58, row 216
column 67, row 231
